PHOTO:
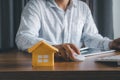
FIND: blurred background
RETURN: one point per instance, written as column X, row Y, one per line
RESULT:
column 105, row 14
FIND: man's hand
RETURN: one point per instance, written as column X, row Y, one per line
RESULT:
column 115, row 44
column 67, row 51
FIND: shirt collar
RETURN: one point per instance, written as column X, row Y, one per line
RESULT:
column 51, row 3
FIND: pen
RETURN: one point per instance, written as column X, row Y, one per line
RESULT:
column 83, row 49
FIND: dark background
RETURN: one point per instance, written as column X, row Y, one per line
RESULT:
column 10, row 12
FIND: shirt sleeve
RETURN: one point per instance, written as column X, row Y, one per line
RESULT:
column 90, row 35
column 30, row 25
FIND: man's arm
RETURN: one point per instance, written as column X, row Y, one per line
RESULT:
column 90, row 36
column 28, row 32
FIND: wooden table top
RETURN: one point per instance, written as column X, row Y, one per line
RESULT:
column 19, row 61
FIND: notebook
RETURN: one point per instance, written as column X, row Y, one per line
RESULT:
column 110, row 59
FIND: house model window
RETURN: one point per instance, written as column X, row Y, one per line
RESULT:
column 42, row 54
column 43, row 58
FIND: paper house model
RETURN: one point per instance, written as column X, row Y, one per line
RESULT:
column 42, row 54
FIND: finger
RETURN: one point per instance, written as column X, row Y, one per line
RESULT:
column 70, row 51
column 63, row 54
column 75, row 48
column 65, row 46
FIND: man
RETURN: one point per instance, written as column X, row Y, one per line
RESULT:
column 65, row 24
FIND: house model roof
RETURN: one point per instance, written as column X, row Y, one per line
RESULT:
column 30, row 50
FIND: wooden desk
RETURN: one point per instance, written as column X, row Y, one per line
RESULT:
column 16, row 65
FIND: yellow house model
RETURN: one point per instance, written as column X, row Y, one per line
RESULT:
column 42, row 54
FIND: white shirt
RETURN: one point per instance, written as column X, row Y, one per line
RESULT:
column 44, row 20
